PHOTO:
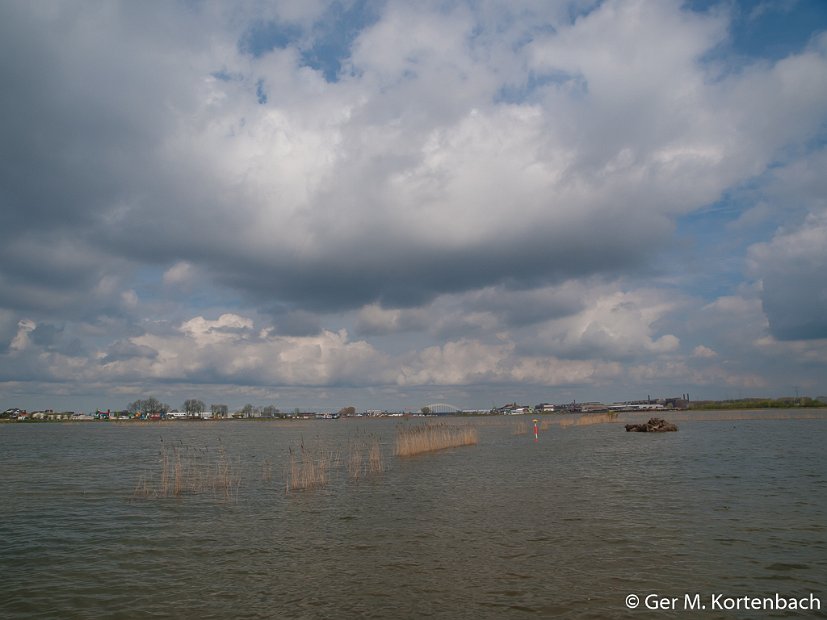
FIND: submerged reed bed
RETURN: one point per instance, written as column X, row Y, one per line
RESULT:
column 309, row 466
column 364, row 457
column 412, row 440
column 588, row 420
column 313, row 466
column 185, row 470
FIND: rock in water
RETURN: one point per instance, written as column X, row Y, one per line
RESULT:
column 654, row 425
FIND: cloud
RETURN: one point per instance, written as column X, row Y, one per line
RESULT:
column 468, row 362
column 298, row 198
column 614, row 325
column 375, row 320
column 227, row 328
column 21, row 340
column 296, row 322
column 124, row 350
column 703, row 352
column 482, row 191
column 180, row 274
column 232, row 349
column 792, row 267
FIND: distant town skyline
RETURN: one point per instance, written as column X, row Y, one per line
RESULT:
column 384, row 205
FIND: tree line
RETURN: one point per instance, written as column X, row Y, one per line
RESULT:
column 195, row 407
column 787, row 402
column 191, row 406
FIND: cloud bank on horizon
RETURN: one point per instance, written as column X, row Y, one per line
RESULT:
column 372, row 203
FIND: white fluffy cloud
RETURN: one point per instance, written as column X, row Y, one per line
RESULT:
column 20, row 342
column 374, row 319
column 230, row 349
column 467, row 362
column 703, row 352
column 615, row 325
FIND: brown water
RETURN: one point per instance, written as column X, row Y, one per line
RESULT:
column 565, row 527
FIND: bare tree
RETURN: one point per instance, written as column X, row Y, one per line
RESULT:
column 194, row 407
column 270, row 411
column 149, row 405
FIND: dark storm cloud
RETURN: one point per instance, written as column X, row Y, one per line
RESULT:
column 523, row 308
column 794, row 292
column 400, row 273
column 74, row 118
column 796, row 310
column 79, row 124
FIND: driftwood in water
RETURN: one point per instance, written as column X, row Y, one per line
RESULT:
column 654, row 425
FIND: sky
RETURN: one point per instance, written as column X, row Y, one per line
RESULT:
column 387, row 204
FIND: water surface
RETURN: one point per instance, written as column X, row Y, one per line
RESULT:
column 564, row 527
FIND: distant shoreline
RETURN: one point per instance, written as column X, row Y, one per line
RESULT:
column 701, row 414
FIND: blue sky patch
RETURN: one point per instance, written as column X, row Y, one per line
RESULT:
column 325, row 46
column 770, row 30
column 263, row 37
column 334, row 35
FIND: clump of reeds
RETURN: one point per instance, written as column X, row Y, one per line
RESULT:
column 588, row 420
column 521, row 428
column 228, row 479
column 364, row 457
column 309, row 467
column 376, row 463
column 183, row 470
column 411, row 440
column 355, row 461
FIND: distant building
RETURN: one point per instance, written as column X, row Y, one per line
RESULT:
column 328, row 415
column 640, row 406
column 592, row 407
